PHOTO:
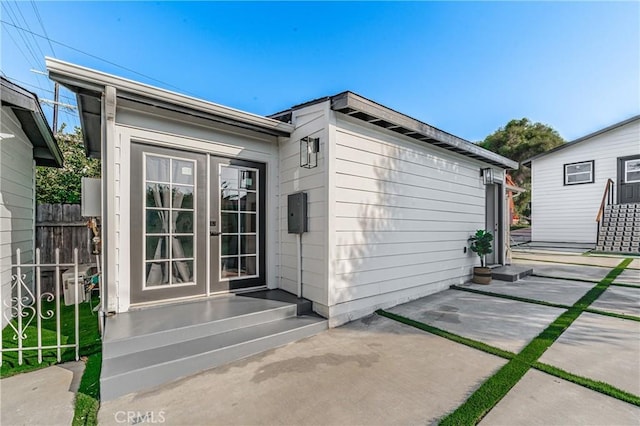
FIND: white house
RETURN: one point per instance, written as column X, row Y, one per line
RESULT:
column 26, row 140
column 568, row 186
column 196, row 199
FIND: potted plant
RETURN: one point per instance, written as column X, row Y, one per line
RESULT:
column 481, row 245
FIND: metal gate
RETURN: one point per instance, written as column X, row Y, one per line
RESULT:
column 28, row 306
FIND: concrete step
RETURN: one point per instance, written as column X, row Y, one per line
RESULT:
column 145, row 369
column 145, row 329
column 304, row 306
column 510, row 273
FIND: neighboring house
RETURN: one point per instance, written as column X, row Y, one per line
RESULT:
column 568, row 187
column 26, row 140
column 196, row 201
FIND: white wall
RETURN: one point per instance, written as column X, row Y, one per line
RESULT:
column 402, row 215
column 562, row 213
column 198, row 135
column 16, row 200
column 310, row 121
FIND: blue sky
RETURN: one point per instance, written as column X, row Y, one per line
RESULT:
column 467, row 68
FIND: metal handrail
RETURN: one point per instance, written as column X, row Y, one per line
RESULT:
column 605, row 200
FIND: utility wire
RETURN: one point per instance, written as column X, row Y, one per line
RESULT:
column 94, row 56
column 44, row 30
column 12, row 15
column 26, row 24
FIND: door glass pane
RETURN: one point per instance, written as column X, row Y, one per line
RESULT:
column 182, row 247
column 229, row 267
column 248, row 201
column 157, row 273
column 229, row 245
column 229, row 178
column 248, row 266
column 248, row 244
column 156, row 195
column 247, row 222
column 228, row 200
column 248, row 179
column 183, row 222
column 157, row 221
column 182, row 197
column 229, row 223
column 157, row 248
column 183, row 172
column 157, row 169
column 182, row 271
column 632, row 171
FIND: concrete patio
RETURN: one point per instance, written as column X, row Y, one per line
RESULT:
column 379, row 371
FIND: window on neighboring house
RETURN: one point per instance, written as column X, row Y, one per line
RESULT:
column 632, row 171
column 577, row 173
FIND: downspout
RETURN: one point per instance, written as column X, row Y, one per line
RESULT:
column 108, row 132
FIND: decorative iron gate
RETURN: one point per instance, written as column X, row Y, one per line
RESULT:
column 24, row 307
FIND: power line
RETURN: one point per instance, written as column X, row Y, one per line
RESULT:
column 44, row 30
column 12, row 15
column 93, row 56
column 35, row 87
column 26, row 24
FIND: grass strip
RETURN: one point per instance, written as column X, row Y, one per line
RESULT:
column 90, row 342
column 498, row 385
column 595, row 385
column 447, row 335
column 88, row 396
column 510, row 297
column 612, row 314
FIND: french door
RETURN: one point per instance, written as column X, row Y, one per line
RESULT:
column 194, row 229
column 236, row 224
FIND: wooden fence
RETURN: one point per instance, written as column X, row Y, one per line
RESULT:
column 62, row 226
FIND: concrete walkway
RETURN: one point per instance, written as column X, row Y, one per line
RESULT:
column 379, row 371
column 372, row 371
column 42, row 397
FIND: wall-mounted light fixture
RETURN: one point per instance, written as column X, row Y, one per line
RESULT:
column 487, row 176
column 309, row 148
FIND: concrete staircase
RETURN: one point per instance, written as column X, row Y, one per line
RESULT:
column 511, row 273
column 149, row 347
column 620, row 229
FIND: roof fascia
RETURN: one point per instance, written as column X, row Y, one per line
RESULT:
column 17, row 97
column 582, row 139
column 72, row 75
column 419, row 130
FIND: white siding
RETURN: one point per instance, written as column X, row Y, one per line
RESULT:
column 198, row 135
column 562, row 213
column 310, row 121
column 16, row 199
column 403, row 213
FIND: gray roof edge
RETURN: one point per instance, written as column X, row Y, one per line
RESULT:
column 461, row 146
column 582, row 139
column 72, row 75
column 31, row 103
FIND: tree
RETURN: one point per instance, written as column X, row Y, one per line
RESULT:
column 63, row 185
column 520, row 140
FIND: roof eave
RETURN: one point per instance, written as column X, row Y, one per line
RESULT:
column 26, row 106
column 362, row 108
column 86, row 81
column 528, row 161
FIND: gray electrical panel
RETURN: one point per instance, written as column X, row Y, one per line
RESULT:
column 297, row 212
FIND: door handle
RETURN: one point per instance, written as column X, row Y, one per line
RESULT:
column 214, row 233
